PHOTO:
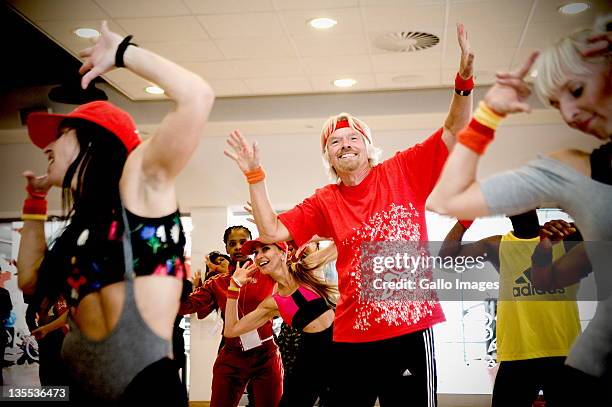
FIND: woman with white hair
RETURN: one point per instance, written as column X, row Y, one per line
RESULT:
column 575, row 77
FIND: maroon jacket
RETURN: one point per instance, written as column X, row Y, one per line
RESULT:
column 213, row 295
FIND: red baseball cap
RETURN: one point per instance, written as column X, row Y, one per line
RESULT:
column 249, row 247
column 43, row 127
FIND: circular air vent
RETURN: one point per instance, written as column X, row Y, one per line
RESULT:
column 406, row 41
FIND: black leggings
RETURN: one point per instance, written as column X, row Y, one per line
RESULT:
column 156, row 385
column 310, row 376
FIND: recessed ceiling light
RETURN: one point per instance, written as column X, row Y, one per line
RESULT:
column 154, row 90
column 86, row 32
column 322, row 23
column 574, row 8
column 344, row 82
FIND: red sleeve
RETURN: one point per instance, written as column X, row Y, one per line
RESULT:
column 423, row 163
column 305, row 220
column 202, row 300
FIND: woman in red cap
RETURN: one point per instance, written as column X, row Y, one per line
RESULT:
column 304, row 301
column 119, row 262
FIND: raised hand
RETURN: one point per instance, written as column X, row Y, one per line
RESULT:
column 37, row 186
column 249, row 208
column 466, row 66
column 246, row 156
column 510, row 91
column 599, row 45
column 245, row 272
column 100, row 58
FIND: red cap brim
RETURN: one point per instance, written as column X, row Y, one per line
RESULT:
column 43, row 127
column 248, row 247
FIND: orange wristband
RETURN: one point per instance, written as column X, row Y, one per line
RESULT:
column 255, row 176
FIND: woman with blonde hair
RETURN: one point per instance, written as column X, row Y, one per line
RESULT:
column 574, row 77
column 304, row 301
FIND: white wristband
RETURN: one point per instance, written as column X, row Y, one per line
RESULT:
column 236, row 282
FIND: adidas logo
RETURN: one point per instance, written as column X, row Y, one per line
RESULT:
column 524, row 288
column 406, row 373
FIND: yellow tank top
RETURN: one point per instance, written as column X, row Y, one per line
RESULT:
column 532, row 323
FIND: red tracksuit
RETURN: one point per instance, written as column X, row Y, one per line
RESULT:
column 234, row 368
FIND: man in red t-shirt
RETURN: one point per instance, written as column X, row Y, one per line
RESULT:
column 384, row 347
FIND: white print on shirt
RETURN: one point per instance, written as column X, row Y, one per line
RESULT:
column 397, row 223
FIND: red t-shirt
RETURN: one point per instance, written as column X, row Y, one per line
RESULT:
column 213, row 295
column 388, row 205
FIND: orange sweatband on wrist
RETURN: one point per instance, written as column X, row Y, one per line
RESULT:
column 34, row 209
column 233, row 295
column 476, row 137
column 481, row 130
column 255, row 176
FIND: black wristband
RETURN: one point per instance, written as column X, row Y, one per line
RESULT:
column 462, row 92
column 121, row 50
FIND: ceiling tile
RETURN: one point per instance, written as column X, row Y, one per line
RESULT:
column 488, row 13
column 408, row 61
column 541, row 35
column 491, row 59
column 340, row 65
column 228, row 6
column 184, row 28
column 409, row 17
column 547, row 12
column 401, row 3
column 241, row 25
column 255, row 48
column 324, row 83
column 254, row 68
column 186, row 51
column 313, row 4
column 143, row 8
column 331, row 44
column 63, row 32
column 213, row 70
column 45, row 10
column 483, row 38
column 229, row 87
column 296, row 21
column 411, row 80
column 136, row 89
column 279, row 85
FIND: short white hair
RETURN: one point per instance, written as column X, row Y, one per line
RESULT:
column 558, row 61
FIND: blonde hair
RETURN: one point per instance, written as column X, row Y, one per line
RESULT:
column 373, row 153
column 304, row 273
column 558, row 61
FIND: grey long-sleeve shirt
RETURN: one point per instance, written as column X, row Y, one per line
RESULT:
column 547, row 182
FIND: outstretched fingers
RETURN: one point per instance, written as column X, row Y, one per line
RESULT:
column 526, row 67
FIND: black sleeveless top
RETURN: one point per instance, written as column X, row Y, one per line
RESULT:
column 83, row 259
column 601, row 164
